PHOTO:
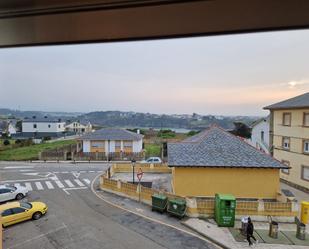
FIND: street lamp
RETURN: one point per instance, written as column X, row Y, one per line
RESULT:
column 133, row 165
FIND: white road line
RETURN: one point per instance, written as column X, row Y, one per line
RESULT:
column 65, row 172
column 82, row 171
column 26, row 180
column 56, row 172
column 49, row 185
column 69, row 183
column 39, row 185
column 18, row 167
column 79, row 183
column 87, row 181
column 91, row 171
column 28, row 186
column 59, row 184
column 17, row 185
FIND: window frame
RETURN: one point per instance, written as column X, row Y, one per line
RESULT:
column 303, row 147
column 283, row 119
column 287, row 163
column 35, row 126
column 262, row 136
column 283, row 143
column 302, row 172
column 304, row 115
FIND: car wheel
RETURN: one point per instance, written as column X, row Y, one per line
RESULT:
column 37, row 215
column 19, row 196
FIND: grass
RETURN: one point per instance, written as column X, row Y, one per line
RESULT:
column 30, row 152
column 153, row 150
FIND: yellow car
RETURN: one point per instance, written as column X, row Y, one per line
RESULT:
column 15, row 212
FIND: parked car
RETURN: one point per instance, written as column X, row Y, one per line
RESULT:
column 152, row 160
column 8, row 192
column 15, row 212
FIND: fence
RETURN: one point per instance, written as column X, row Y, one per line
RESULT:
column 145, row 167
column 196, row 206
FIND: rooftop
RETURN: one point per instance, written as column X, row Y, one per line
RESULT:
column 42, row 120
column 301, row 101
column 112, row 134
column 215, row 147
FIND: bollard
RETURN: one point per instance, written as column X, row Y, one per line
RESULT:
column 273, row 230
column 301, row 231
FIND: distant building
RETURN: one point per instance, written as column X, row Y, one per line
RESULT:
column 42, row 127
column 260, row 135
column 7, row 128
column 79, row 127
column 289, row 138
column 215, row 161
column 112, row 140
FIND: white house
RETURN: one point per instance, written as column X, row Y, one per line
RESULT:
column 42, row 127
column 112, row 140
column 260, row 135
column 7, row 127
column 79, row 127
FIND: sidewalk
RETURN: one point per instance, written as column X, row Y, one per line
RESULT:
column 223, row 237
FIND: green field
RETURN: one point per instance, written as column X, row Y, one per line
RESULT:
column 30, row 152
column 153, row 150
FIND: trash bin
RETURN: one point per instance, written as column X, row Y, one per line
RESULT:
column 225, row 205
column 159, row 202
column 176, row 207
column 301, row 231
column 304, row 212
column 273, row 229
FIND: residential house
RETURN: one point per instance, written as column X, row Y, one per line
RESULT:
column 289, row 138
column 112, row 140
column 79, row 127
column 42, row 127
column 7, row 127
column 216, row 161
column 260, row 134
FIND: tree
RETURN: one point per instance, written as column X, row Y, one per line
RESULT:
column 18, row 126
column 6, row 142
column 241, row 130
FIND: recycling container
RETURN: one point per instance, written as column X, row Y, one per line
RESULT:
column 304, row 212
column 176, row 207
column 225, row 205
column 159, row 202
column 301, row 231
column 273, row 229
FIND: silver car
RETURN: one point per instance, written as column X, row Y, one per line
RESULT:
column 8, row 192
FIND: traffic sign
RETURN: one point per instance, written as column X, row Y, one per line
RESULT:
column 140, row 174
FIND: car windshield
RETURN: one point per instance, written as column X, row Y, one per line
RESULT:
column 11, row 187
column 26, row 205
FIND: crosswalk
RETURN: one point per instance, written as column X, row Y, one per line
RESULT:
column 54, row 184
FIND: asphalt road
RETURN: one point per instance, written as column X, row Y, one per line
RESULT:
column 79, row 219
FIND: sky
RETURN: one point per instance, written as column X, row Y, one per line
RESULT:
column 219, row 75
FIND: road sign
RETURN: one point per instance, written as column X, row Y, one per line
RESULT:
column 140, row 174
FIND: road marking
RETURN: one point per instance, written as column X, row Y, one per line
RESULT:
column 87, row 181
column 79, row 183
column 59, row 184
column 66, row 190
column 19, row 167
column 69, row 183
column 82, row 171
column 17, row 185
column 91, row 171
column 76, row 174
column 26, row 180
column 49, row 185
column 39, row 185
column 56, row 172
column 65, row 172
column 28, row 186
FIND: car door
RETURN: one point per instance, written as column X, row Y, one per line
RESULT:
column 5, row 194
column 7, row 217
column 19, row 214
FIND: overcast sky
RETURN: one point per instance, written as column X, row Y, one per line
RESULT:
column 229, row 75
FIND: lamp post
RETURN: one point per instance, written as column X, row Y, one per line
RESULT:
column 133, row 166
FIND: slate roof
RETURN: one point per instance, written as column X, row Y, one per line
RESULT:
column 215, row 147
column 112, row 134
column 301, row 101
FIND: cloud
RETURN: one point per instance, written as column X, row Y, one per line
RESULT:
column 295, row 83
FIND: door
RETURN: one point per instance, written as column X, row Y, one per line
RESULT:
column 7, row 217
column 6, row 194
column 20, row 214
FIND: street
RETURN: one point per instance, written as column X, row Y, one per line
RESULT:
column 77, row 218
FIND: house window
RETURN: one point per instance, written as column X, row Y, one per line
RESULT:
column 286, row 119
column 97, row 144
column 59, row 126
column 262, row 136
column 286, row 143
column 306, row 146
column 118, row 144
column 306, row 119
column 49, row 126
column 285, row 171
column 305, row 173
column 128, row 144
column 34, row 126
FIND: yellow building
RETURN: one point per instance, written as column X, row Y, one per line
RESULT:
column 215, row 161
column 289, row 139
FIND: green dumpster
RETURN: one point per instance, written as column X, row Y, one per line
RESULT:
column 176, row 207
column 159, row 202
column 225, row 205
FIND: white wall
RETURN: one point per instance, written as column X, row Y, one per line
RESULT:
column 43, row 127
column 11, row 129
column 86, row 146
column 138, row 145
column 256, row 140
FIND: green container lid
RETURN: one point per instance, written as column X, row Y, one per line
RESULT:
column 178, row 201
column 159, row 196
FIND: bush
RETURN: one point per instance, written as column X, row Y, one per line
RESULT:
column 46, row 138
column 17, row 141
column 192, row 133
column 166, row 134
column 6, row 142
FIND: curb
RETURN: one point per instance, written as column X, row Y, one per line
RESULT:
column 218, row 243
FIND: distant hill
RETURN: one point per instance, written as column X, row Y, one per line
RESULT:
column 136, row 119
